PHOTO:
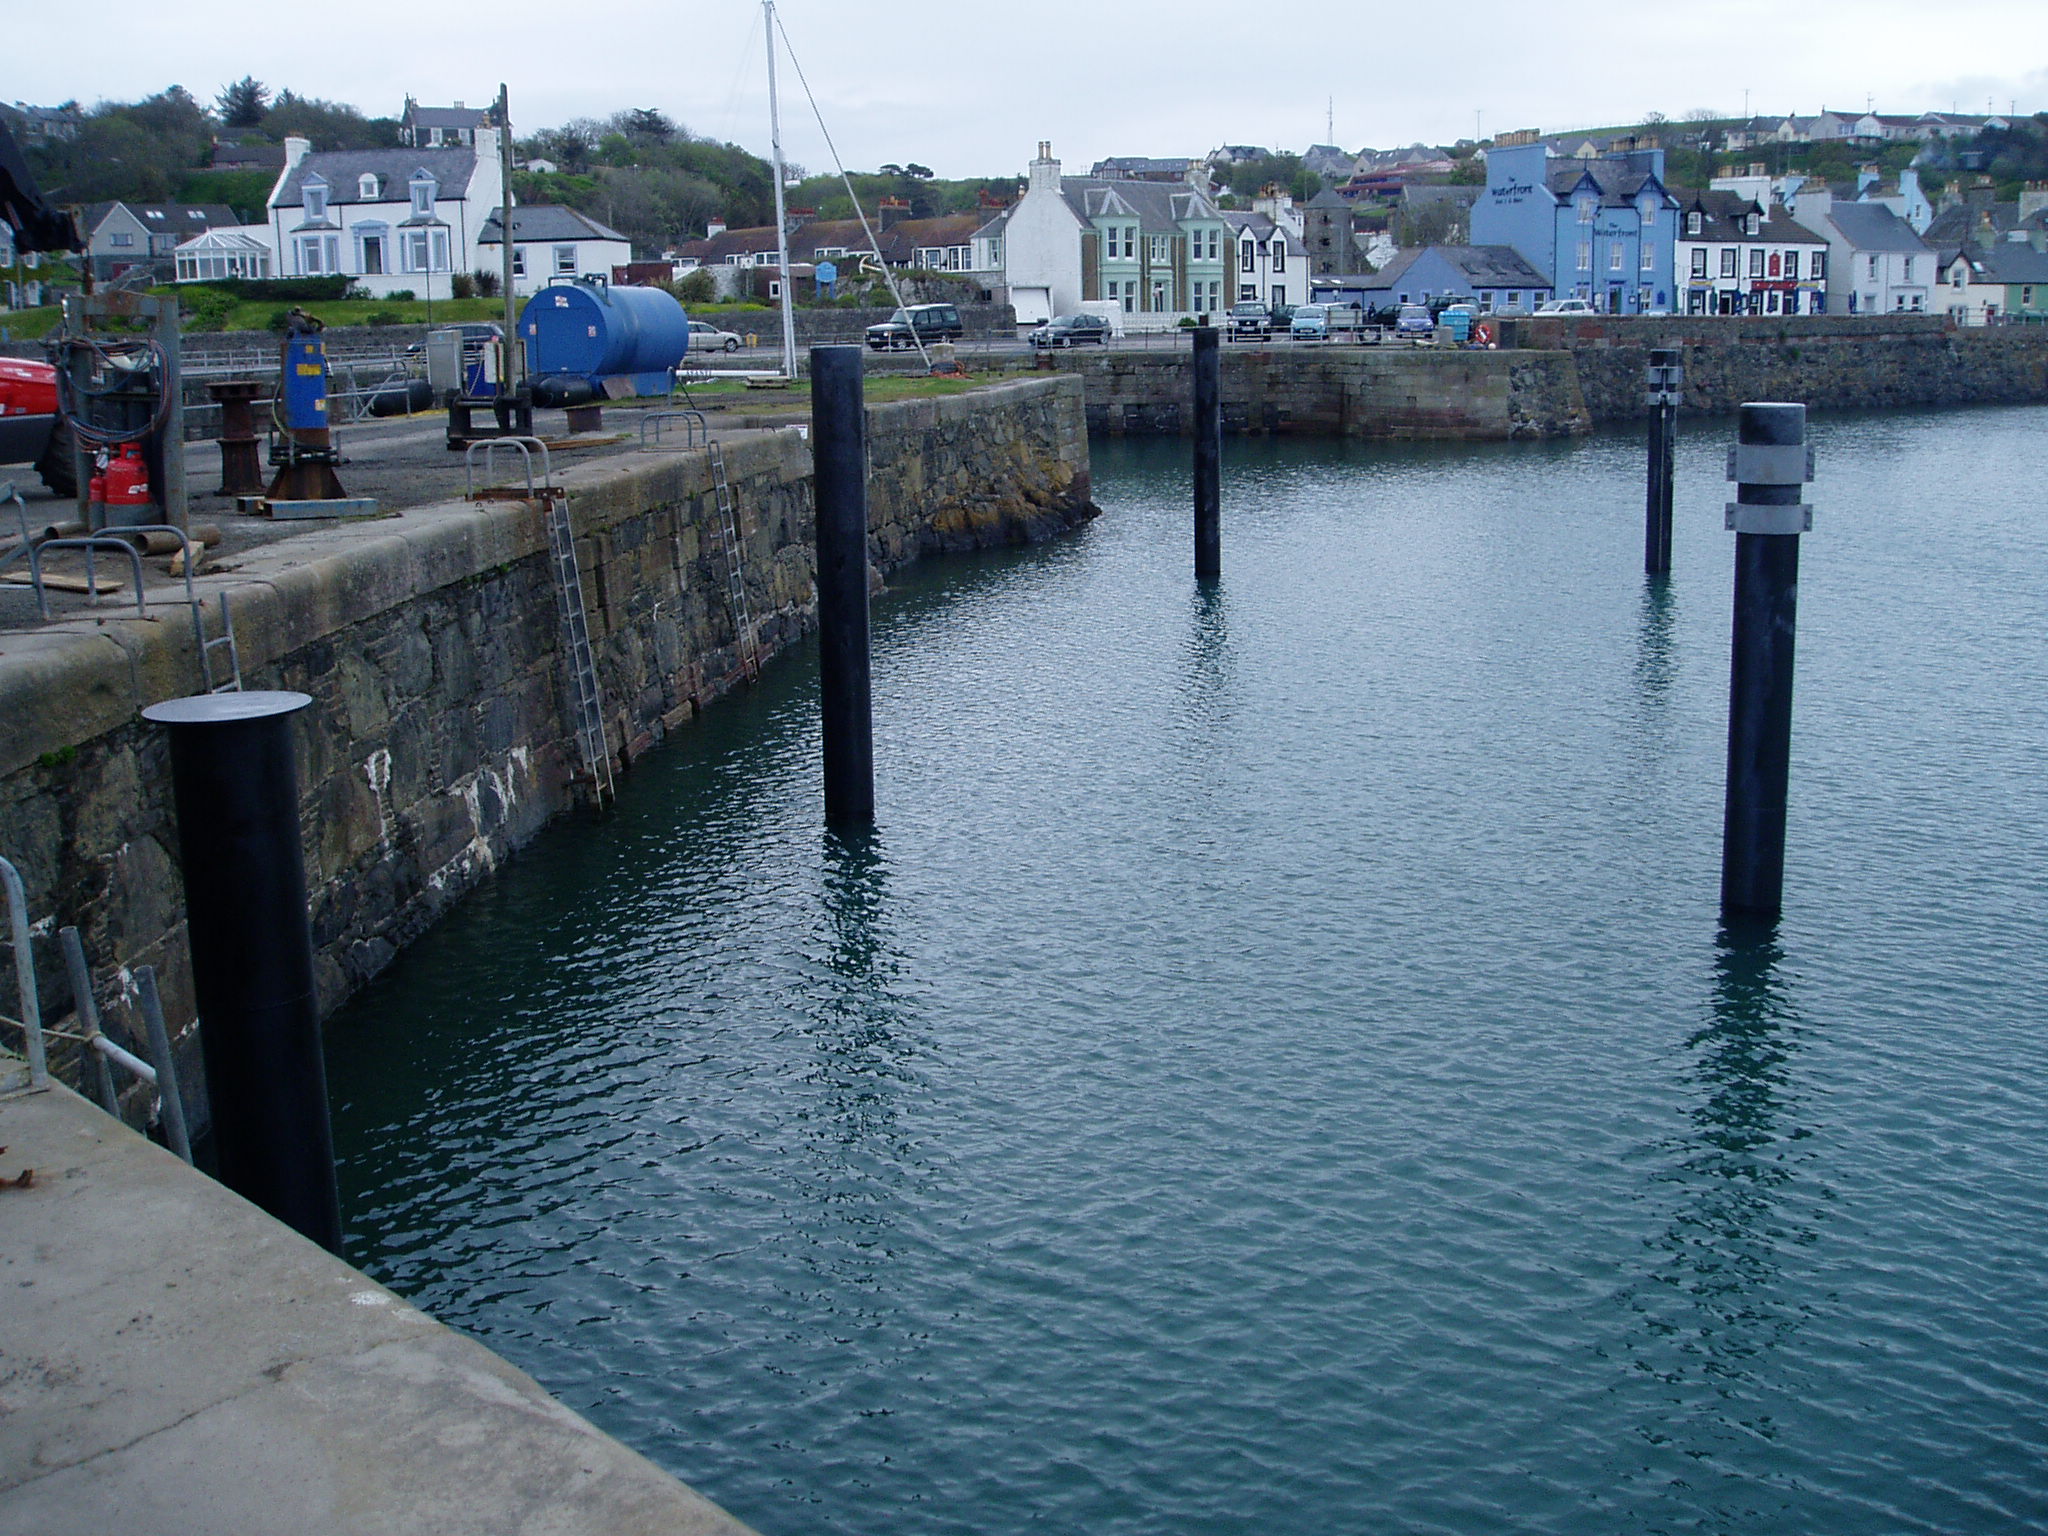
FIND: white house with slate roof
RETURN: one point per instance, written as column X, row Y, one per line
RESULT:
column 1876, row 264
column 391, row 219
column 1153, row 249
column 550, row 242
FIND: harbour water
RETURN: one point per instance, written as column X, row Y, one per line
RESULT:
column 1277, row 1066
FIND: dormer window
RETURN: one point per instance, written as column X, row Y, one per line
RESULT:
column 423, row 190
column 1692, row 222
column 315, row 195
column 366, row 188
column 1647, row 208
column 1586, row 210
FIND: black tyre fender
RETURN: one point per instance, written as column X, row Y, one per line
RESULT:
column 57, row 467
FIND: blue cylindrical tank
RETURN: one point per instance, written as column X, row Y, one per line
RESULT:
column 594, row 329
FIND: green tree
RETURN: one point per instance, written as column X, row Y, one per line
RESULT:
column 328, row 124
column 243, row 103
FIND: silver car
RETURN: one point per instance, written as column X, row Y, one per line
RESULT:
column 709, row 338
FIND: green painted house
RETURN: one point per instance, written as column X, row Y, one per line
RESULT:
column 1153, row 248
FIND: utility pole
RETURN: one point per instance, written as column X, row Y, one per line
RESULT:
column 509, row 369
column 781, row 215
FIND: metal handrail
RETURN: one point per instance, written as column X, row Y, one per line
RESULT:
column 695, row 426
column 161, row 1075
column 31, row 1021
column 525, row 445
column 90, row 542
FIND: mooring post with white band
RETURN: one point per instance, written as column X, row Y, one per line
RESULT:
column 1665, row 377
column 1770, row 463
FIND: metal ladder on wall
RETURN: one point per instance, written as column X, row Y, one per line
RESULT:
column 576, row 643
column 735, row 575
column 232, row 683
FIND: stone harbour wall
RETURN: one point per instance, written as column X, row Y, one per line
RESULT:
column 1556, row 377
column 440, row 739
column 1371, row 392
column 1829, row 362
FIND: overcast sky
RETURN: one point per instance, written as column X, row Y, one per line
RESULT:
column 970, row 90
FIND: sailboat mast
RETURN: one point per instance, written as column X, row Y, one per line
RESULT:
column 781, row 215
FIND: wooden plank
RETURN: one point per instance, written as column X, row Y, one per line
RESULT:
column 58, row 582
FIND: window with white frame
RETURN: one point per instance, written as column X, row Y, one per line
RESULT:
column 1614, row 255
column 319, row 255
column 1909, row 269
column 1157, row 245
column 1649, row 259
column 1244, row 259
column 120, row 240
column 1647, row 208
column 314, row 196
column 1818, row 267
column 565, row 261
column 1585, row 255
column 1280, row 255
column 423, row 191
column 1728, row 260
column 1699, row 261
column 1247, row 293
column 1873, row 266
column 1586, row 207
column 1692, row 222
column 366, row 187
column 519, row 261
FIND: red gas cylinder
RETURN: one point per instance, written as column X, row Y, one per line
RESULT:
column 127, row 486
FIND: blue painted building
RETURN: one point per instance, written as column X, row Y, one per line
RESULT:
column 1601, row 229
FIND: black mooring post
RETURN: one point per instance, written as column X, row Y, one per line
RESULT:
column 1770, row 463
column 1665, row 378
column 839, row 454
column 1208, row 454
column 237, row 797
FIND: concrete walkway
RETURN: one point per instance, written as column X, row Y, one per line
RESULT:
column 173, row 1361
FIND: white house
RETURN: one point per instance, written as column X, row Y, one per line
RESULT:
column 1876, row 264
column 1738, row 256
column 549, row 242
column 392, row 219
column 1272, row 265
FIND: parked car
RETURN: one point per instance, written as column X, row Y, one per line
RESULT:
column 709, row 338
column 1248, row 320
column 1566, row 307
column 919, row 322
column 31, row 431
column 1072, row 331
column 1414, row 320
column 1323, row 322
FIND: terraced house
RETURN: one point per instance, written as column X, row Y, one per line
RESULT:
column 1152, row 247
column 1599, row 227
column 1739, row 256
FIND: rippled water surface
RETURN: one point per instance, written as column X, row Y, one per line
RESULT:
column 1276, row 1068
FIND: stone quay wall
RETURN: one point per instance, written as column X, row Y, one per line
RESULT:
column 1556, row 377
column 440, row 738
column 1830, row 362
column 1370, row 392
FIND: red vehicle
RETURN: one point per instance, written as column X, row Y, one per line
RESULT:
column 31, row 431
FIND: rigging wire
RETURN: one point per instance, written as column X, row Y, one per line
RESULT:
column 866, row 228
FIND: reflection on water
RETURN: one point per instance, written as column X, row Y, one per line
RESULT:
column 1713, row 1311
